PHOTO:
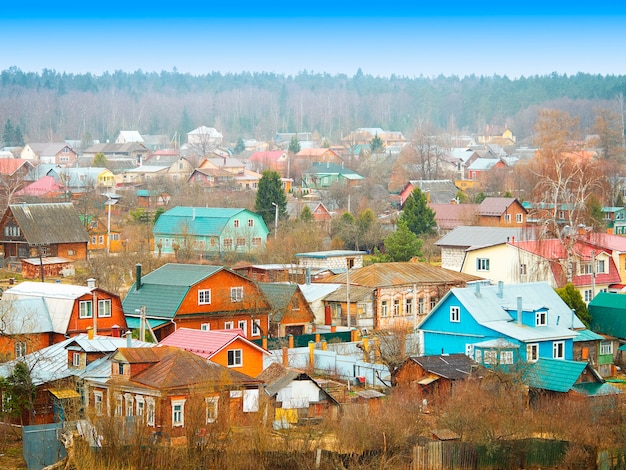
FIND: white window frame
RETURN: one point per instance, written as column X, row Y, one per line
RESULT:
column 104, row 308
column 541, row 318
column 243, row 325
column 119, row 405
column 408, row 306
column 212, row 409
column 150, row 411
column 256, row 327
column 455, row 314
column 229, row 325
column 606, row 348
column 235, row 357
column 204, row 296
column 85, row 309
column 236, row 294
column 519, row 218
column 588, row 295
column 178, row 415
column 140, row 405
column 478, row 356
column 506, row 357
column 600, row 266
column 98, row 399
column 482, row 264
column 558, row 350
column 130, row 404
column 532, row 352
column 76, row 359
column 20, row 348
column 507, row 218
column 490, row 356
column 384, row 308
column 205, row 326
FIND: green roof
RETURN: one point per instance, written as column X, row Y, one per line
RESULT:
column 587, row 335
column 206, row 221
column 163, row 290
column 279, row 296
column 595, row 389
column 555, row 375
column 133, row 323
column 608, row 314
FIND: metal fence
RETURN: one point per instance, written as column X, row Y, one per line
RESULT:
column 41, row 446
column 302, row 341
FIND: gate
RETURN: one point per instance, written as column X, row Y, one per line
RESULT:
column 41, row 445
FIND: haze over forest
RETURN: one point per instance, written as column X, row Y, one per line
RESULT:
column 53, row 106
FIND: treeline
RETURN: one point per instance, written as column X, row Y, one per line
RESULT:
column 51, row 105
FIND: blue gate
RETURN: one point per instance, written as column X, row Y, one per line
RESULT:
column 41, row 445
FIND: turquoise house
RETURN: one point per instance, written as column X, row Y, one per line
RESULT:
column 209, row 230
column 501, row 324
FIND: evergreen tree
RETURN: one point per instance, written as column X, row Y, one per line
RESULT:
column 240, row 147
column 18, row 391
column 294, row 145
column 418, row 217
column 574, row 300
column 8, row 136
column 377, row 145
column 270, row 192
column 402, row 245
column 306, row 215
column 99, row 160
column 18, row 139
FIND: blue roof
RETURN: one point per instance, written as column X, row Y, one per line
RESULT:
column 587, row 335
column 556, row 375
column 207, row 221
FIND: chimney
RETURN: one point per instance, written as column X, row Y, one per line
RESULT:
column 115, row 331
column 519, row 310
column 89, row 332
column 129, row 339
column 513, row 239
column 138, row 276
column 500, row 289
column 477, row 291
column 91, row 283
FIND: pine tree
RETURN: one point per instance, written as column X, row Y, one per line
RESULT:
column 402, row 245
column 240, row 147
column 377, row 145
column 270, row 192
column 419, row 218
column 8, row 136
column 294, row 145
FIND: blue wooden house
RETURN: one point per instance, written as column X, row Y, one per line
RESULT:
column 501, row 324
column 209, row 230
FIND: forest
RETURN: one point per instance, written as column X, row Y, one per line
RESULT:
column 53, row 106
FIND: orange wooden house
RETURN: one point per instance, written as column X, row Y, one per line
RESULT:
column 228, row 348
column 196, row 296
column 38, row 315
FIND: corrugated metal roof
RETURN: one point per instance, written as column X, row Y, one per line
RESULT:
column 24, row 316
column 469, row 236
column 207, row 221
column 588, row 335
column 205, row 343
column 357, row 293
column 595, row 389
column 330, row 254
column 449, row 366
column 556, row 375
column 495, row 206
column 49, row 223
column 316, row 291
column 397, row 274
column 279, row 295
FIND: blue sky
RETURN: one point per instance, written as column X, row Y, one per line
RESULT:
column 381, row 38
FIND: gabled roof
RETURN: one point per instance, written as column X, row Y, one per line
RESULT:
column 163, row 290
column 496, row 206
column 477, row 236
column 448, row 366
column 449, row 216
column 493, row 308
column 555, row 375
column 25, row 316
column 357, row 294
column 44, row 185
column 608, row 314
column 317, row 291
column 205, row 221
column 278, row 295
column 51, row 363
column 269, row 156
column 130, row 136
column 396, row 274
column 49, row 223
column 8, row 166
column 328, row 168
column 47, row 149
column 206, row 344
column 483, row 164
column 276, row 377
column 113, row 148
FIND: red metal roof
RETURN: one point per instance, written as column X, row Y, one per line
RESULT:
column 205, row 343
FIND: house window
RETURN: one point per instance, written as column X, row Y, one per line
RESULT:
column 120, row 368
column 228, row 243
column 558, row 350
column 212, row 404
column 507, row 218
column 104, row 308
column 478, row 356
column 236, row 223
column 384, row 308
column 519, row 218
column 455, row 314
column 588, row 295
column 250, row 222
column 20, row 348
column 100, row 239
column 482, row 264
column 234, row 358
column 586, row 268
column 204, row 296
column 491, row 357
column 178, row 413
column 205, row 326
column 541, row 318
column 396, row 307
column 236, row 294
column 119, row 406
column 241, row 324
column 94, row 240
column 433, row 302
column 600, row 266
column 532, row 352
column 115, row 236
column 71, row 252
column 256, row 241
column 240, row 241
column 229, row 325
column 130, row 404
column 76, row 359
column 256, row 327
column 141, row 405
column 606, row 347
column 213, row 241
column 97, row 402
column 150, row 411
column 506, row 357
column 523, row 269
column 420, row 305
column 408, row 306
column 84, row 309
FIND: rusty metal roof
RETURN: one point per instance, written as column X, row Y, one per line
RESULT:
column 397, row 274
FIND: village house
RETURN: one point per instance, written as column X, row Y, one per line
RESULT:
column 42, row 230
column 436, row 191
column 228, row 348
column 196, row 296
column 492, row 212
column 323, row 175
column 209, row 230
column 55, row 153
column 290, row 312
column 435, row 375
column 135, row 151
